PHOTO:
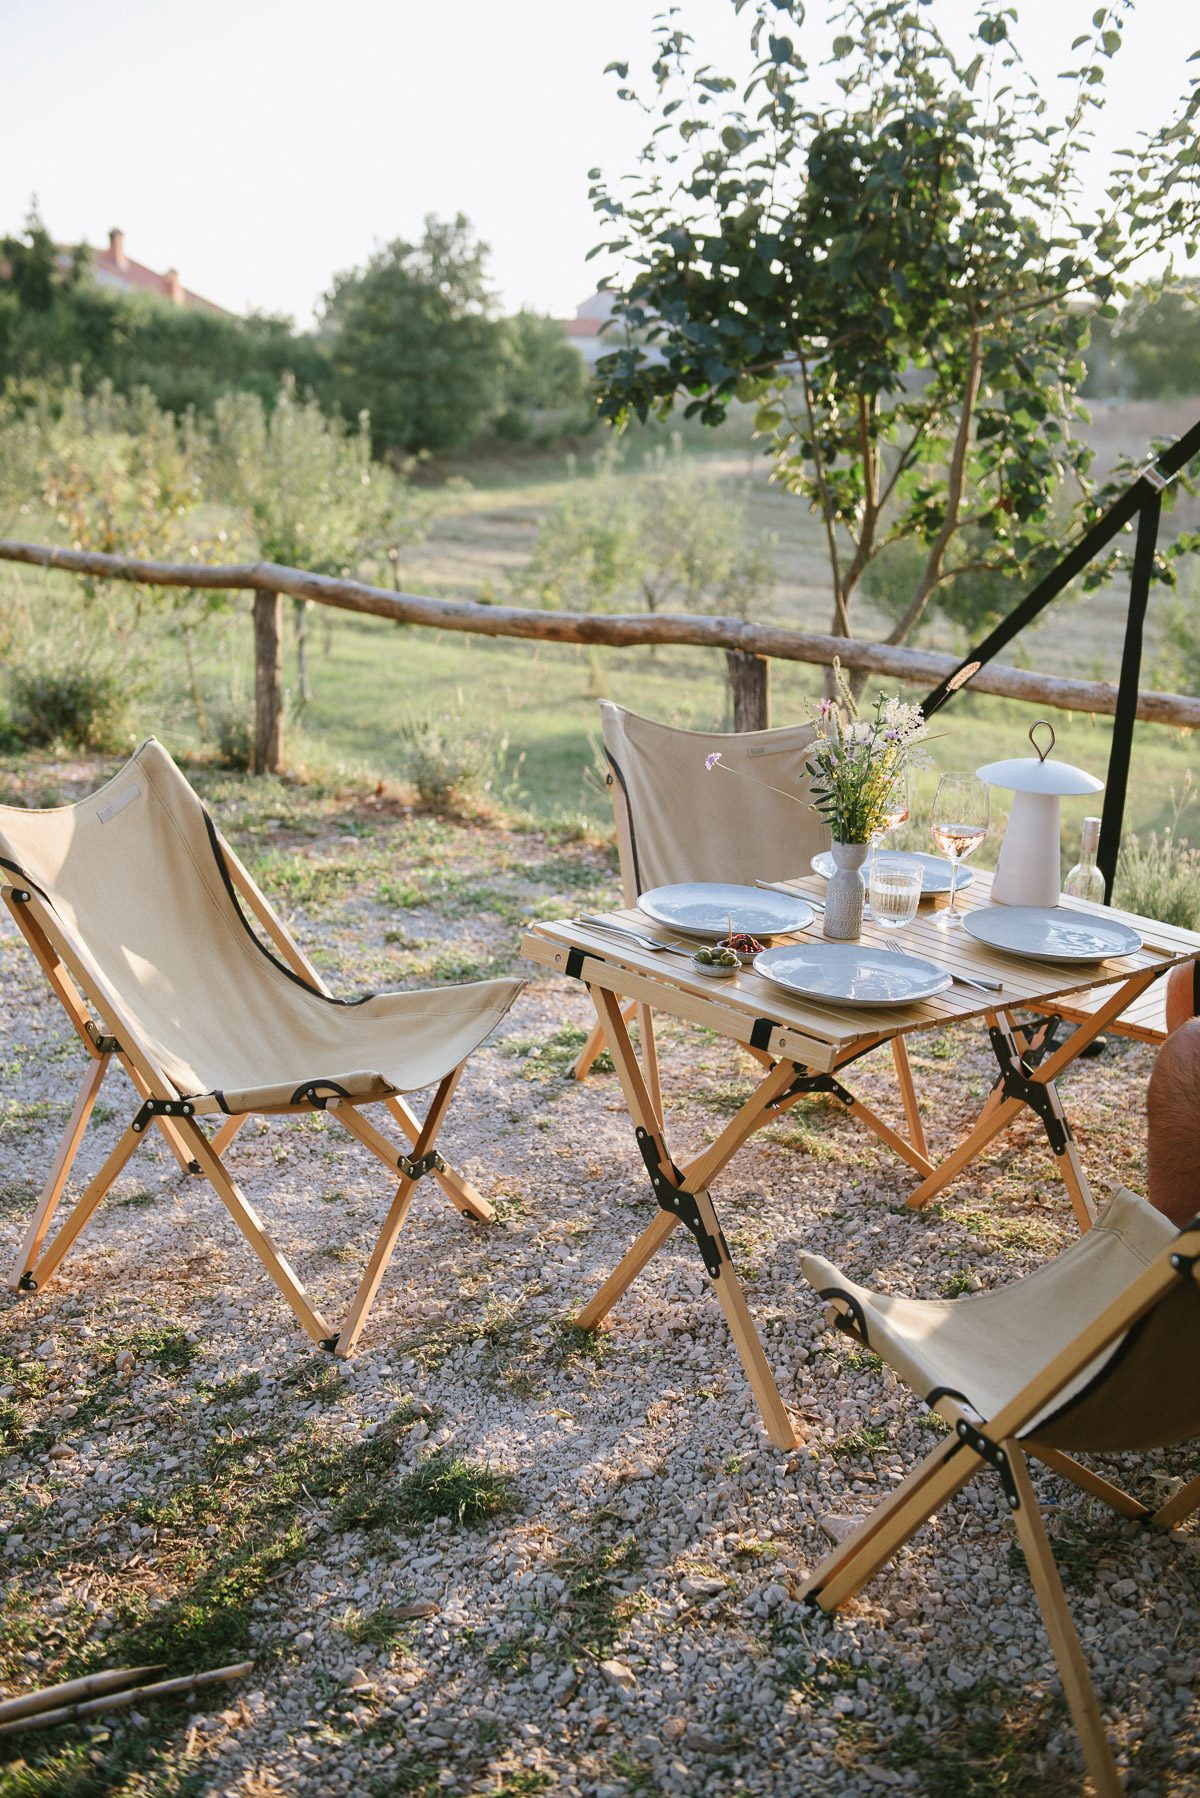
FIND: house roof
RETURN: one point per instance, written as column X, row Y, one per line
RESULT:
column 114, row 268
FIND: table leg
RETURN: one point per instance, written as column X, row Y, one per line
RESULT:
column 688, row 1191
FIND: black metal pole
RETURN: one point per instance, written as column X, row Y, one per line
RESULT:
column 1133, row 501
column 1127, row 692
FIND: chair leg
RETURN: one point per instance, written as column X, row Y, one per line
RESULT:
column 222, row 1138
column 908, row 1092
column 253, row 1229
column 1089, row 1481
column 84, row 1207
column 461, row 1194
column 1181, row 1505
column 364, row 1298
column 60, row 1168
column 848, row 1567
column 1064, row 1638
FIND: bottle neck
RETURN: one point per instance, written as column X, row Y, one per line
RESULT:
column 1091, row 842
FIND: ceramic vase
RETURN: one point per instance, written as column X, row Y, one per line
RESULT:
column 845, row 893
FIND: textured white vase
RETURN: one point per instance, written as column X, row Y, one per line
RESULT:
column 845, row 893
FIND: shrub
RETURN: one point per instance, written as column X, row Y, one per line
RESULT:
column 233, row 737
column 81, row 708
column 1159, row 877
column 453, row 772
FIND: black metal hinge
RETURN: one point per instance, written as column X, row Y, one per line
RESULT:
column 811, row 1083
column 672, row 1197
column 994, row 1455
column 1015, row 1083
column 431, row 1163
column 161, row 1108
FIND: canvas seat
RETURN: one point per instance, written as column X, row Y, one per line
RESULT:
column 138, row 911
column 1096, row 1352
column 677, row 820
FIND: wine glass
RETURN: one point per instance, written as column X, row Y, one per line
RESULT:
column 896, row 814
column 958, row 824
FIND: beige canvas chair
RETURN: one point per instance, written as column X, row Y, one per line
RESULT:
column 1097, row 1352
column 136, row 909
column 677, row 821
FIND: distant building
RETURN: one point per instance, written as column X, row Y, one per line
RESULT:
column 586, row 328
column 112, row 267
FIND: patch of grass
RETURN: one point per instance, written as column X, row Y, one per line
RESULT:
column 510, row 1658
column 235, row 1389
column 866, row 1440
column 133, row 1201
column 383, row 1630
column 1004, row 1229
column 449, row 1485
column 570, row 1347
column 523, row 1782
column 164, row 1344
column 545, row 1058
column 593, row 1609
column 956, row 1284
column 312, row 883
column 454, row 966
column 989, row 1748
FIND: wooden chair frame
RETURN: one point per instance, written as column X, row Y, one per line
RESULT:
column 198, row 1153
column 977, row 1444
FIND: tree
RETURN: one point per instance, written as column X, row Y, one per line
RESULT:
column 896, row 282
column 414, row 340
column 1152, row 349
column 543, row 372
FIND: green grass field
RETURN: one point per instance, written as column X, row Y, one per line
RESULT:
column 370, row 678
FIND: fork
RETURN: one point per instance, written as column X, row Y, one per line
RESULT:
column 634, row 936
column 980, row 986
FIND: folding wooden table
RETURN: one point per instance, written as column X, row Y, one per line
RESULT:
column 803, row 1046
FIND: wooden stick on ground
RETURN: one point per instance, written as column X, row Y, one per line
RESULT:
column 73, row 1691
column 163, row 1688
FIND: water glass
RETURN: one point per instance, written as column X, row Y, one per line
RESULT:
column 895, row 890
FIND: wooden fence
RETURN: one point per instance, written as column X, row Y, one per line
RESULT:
column 749, row 647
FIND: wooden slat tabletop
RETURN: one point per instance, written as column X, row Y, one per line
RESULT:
column 735, row 1005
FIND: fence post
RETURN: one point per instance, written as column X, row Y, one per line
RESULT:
column 268, row 682
column 750, row 688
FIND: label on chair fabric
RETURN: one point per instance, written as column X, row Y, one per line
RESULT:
column 118, row 804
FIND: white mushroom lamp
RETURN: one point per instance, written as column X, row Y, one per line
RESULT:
column 1029, row 869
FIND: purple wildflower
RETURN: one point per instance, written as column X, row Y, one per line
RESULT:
column 710, row 761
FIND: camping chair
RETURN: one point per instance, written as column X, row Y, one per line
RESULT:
column 132, row 903
column 1097, row 1352
column 676, row 821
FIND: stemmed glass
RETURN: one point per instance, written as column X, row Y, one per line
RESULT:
column 958, row 823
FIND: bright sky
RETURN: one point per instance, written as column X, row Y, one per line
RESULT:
column 260, row 145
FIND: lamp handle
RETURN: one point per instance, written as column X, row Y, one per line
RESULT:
column 1042, row 724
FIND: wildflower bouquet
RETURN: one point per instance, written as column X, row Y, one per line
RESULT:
column 856, row 762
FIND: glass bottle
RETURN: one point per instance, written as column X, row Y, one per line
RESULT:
column 1085, row 880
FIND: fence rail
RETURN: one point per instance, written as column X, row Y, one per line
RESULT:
column 749, row 646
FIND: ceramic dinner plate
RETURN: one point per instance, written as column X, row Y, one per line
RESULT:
column 851, row 973
column 705, row 908
column 1050, row 932
column 935, row 870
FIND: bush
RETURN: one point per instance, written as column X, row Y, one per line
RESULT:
column 1160, row 878
column 452, row 772
column 80, row 708
column 233, row 737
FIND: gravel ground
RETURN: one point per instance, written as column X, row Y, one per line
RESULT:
column 186, row 1479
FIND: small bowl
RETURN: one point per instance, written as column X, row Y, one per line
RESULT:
column 716, row 970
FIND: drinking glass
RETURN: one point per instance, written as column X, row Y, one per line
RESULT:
column 895, row 890
column 958, row 824
column 895, row 816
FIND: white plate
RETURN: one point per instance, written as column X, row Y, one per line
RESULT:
column 935, row 870
column 1050, row 932
column 851, row 973
column 704, row 908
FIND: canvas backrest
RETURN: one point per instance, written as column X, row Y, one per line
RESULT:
column 1144, row 1392
column 134, row 876
column 688, row 823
